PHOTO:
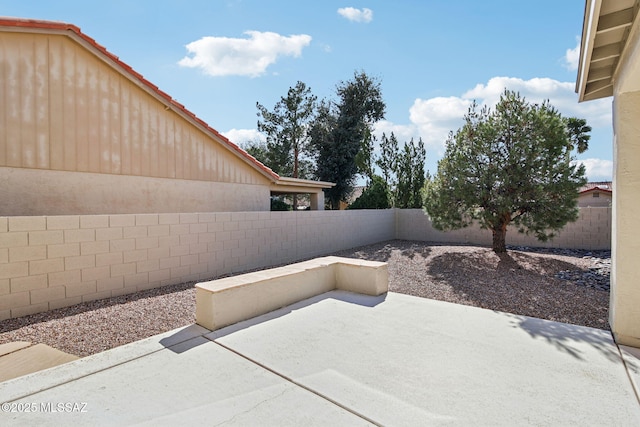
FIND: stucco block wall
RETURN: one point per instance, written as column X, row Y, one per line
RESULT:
column 592, row 231
column 56, row 261
column 48, row 262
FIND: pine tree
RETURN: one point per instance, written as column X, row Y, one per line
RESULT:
column 340, row 132
column 512, row 165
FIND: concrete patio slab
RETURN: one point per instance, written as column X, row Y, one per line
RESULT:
column 403, row 360
column 13, row 346
column 631, row 356
column 346, row 359
column 45, row 379
column 20, row 359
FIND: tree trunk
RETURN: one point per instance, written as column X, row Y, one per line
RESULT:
column 499, row 234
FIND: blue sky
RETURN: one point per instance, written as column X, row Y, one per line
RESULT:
column 432, row 57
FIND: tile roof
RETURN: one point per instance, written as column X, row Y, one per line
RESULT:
column 63, row 26
column 600, row 185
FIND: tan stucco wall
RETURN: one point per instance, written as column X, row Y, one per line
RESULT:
column 36, row 191
column 65, row 109
column 624, row 312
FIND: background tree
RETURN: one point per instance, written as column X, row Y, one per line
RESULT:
column 511, row 165
column 341, row 131
column 375, row 196
column 410, row 177
column 403, row 170
column 287, row 132
column 388, row 157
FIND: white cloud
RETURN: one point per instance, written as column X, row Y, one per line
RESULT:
column 572, row 57
column 597, row 169
column 356, row 15
column 223, row 56
column 433, row 118
column 402, row 132
column 243, row 136
column 561, row 95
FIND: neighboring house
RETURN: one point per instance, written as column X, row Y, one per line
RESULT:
column 596, row 194
column 82, row 133
column 610, row 66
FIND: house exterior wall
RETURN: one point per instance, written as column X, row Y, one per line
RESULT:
column 34, row 191
column 603, row 199
column 65, row 109
column 48, row 262
column 624, row 310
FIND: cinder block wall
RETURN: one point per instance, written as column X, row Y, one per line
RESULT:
column 48, row 262
column 591, row 231
column 57, row 261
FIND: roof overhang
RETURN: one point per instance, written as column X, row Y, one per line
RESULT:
column 286, row 185
column 607, row 27
column 596, row 189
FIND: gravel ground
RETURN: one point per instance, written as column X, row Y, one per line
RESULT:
column 539, row 283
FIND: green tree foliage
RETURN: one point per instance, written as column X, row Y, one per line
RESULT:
column 511, row 165
column 388, row 158
column 277, row 204
column 375, row 196
column 340, row 132
column 403, row 170
column 286, row 129
column 410, row 176
column 257, row 149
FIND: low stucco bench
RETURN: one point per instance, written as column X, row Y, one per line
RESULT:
column 229, row 300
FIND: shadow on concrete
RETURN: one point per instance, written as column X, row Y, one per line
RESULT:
column 565, row 337
column 185, row 339
column 348, row 297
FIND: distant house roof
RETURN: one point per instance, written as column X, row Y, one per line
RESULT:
column 595, row 186
column 72, row 30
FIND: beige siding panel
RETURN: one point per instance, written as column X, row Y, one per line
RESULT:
column 191, row 164
column 161, row 163
column 156, row 142
column 7, row 108
column 94, row 79
column 64, row 109
column 145, row 138
column 72, row 105
column 179, row 151
column 41, row 103
column 125, row 128
column 56, row 102
column 115, row 156
column 187, row 141
column 136, row 131
column 82, row 113
column 27, row 105
column 103, row 124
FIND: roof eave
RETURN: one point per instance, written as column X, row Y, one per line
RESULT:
column 589, row 26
